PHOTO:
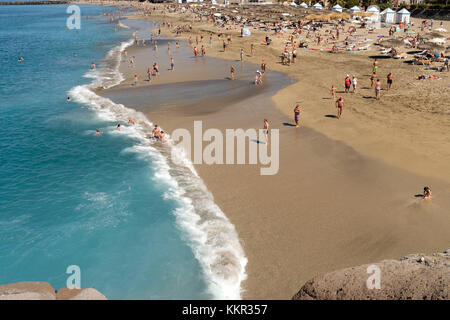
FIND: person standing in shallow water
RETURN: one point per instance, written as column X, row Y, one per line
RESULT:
column 232, row 72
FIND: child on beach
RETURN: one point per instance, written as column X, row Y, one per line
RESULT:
column 354, row 83
column 426, row 193
column 297, row 111
column 232, row 72
column 333, row 91
column 135, row 79
column 172, row 64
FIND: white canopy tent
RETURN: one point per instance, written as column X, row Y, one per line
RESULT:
column 387, row 15
column 375, row 17
column 403, row 16
column 317, row 6
column 303, row 5
column 337, row 8
column 355, row 9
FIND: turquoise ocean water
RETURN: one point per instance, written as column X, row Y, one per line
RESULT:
column 107, row 203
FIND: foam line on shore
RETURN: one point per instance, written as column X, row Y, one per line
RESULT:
column 211, row 236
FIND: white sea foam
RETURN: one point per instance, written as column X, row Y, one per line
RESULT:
column 211, row 236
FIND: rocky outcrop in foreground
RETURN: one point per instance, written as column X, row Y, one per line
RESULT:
column 44, row 291
column 416, row 276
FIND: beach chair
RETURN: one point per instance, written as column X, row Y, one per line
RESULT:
column 386, row 50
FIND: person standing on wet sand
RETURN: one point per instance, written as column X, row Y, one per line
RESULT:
column 297, row 111
column 390, row 76
column 340, row 106
column 172, row 64
column 377, row 89
column 252, row 49
column 263, row 66
column 375, row 65
column 232, row 72
column 241, row 53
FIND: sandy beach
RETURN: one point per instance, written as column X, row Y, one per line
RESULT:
column 347, row 190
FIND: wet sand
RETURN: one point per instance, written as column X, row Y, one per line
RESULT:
column 330, row 206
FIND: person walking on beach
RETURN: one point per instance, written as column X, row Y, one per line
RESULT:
column 224, row 46
column 172, row 64
column 354, row 83
column 252, row 49
column 266, row 129
column 339, row 106
column 241, row 53
column 375, row 65
column 333, row 91
column 373, row 77
column 203, row 50
column 195, row 51
column 263, row 66
column 347, row 83
column 149, row 74
column 135, row 81
column 232, row 72
column 297, row 111
column 390, row 76
column 377, row 89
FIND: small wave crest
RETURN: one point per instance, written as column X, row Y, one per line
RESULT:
column 211, row 236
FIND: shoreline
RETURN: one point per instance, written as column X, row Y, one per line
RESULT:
column 228, row 195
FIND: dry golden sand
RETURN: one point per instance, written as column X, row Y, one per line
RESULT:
column 344, row 194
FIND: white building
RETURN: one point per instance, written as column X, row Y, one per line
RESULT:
column 403, row 16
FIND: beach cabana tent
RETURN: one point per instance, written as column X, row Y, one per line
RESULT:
column 317, row 6
column 403, row 16
column 355, row 9
column 337, row 8
column 375, row 13
column 303, row 5
column 387, row 15
column 293, row 4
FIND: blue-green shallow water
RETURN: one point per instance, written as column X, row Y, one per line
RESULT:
column 68, row 197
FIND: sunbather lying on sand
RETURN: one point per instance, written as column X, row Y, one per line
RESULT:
column 428, row 77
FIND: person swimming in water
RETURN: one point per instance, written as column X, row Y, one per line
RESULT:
column 20, row 59
column 97, row 132
column 118, row 127
column 68, row 99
